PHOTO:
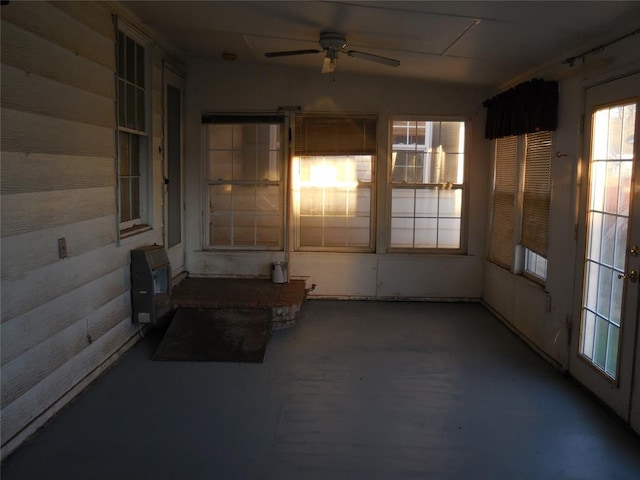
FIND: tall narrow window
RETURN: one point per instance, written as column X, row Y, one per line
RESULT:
column 427, row 182
column 501, row 244
column 521, row 204
column 132, row 134
column 244, row 182
column 536, row 203
column 333, row 175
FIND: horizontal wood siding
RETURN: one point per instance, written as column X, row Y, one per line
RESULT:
column 35, row 55
column 33, row 133
column 28, row 212
column 55, row 26
column 37, row 249
column 63, row 319
column 54, row 172
column 27, row 408
column 54, row 316
column 34, row 94
column 21, row 374
column 92, row 14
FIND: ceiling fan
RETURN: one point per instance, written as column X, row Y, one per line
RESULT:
column 333, row 43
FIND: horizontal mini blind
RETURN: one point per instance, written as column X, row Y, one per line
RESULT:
column 322, row 135
column 503, row 205
column 537, row 192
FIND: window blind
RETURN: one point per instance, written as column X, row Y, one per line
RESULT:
column 537, row 192
column 323, row 135
column 503, row 204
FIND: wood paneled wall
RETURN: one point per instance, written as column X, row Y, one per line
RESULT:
column 63, row 320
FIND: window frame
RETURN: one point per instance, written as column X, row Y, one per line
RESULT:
column 521, row 255
column 371, row 184
column 463, row 187
column 245, row 119
column 142, row 222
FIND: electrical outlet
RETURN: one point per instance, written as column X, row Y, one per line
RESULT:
column 62, row 247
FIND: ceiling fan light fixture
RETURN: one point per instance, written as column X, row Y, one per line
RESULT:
column 332, row 40
column 329, row 64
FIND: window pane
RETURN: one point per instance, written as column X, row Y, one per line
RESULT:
column 130, row 107
column 121, row 54
column 427, row 153
column 122, row 103
column 408, row 167
column 268, row 230
column 604, row 292
column 611, row 364
column 450, row 203
column 125, row 155
column 134, row 154
column 449, row 233
column 620, row 243
column 588, row 334
column 244, row 230
column 220, row 199
column 135, row 197
column 268, row 199
column 220, row 230
column 244, row 199
column 402, row 232
column 402, row 202
column 140, row 109
column 426, row 202
column 130, row 62
column 140, row 66
column 311, row 231
column 608, row 239
column 452, row 137
column 600, row 342
column 125, row 199
column 220, row 165
column 334, row 200
column 535, row 264
column 426, row 233
column 616, row 300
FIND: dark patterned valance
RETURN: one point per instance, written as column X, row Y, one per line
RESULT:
column 526, row 108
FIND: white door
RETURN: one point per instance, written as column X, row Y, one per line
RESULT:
column 173, row 170
column 603, row 346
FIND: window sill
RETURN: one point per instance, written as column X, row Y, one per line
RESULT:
column 132, row 231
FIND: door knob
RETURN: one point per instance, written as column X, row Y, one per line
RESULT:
column 632, row 275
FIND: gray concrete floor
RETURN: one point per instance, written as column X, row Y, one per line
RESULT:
column 358, row 390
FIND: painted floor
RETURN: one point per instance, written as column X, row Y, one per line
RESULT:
column 357, row 390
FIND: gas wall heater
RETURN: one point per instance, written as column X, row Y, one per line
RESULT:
column 150, row 284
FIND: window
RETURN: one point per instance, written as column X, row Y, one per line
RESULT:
column 333, row 178
column 427, row 181
column 521, row 203
column 132, row 134
column 244, row 182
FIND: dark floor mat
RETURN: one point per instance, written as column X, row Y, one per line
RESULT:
column 216, row 335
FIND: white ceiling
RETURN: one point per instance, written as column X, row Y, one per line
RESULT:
column 469, row 42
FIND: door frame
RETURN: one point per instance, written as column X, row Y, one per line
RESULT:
column 172, row 77
column 618, row 393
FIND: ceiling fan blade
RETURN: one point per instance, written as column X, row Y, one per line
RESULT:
column 290, row 52
column 392, row 62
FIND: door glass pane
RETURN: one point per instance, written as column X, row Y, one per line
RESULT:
column 610, row 168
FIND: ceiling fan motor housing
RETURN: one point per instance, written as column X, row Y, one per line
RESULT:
column 332, row 41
